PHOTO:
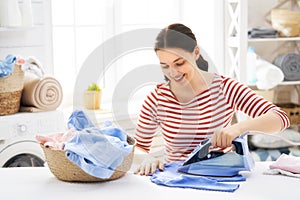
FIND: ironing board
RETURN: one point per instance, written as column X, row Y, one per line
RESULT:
column 39, row 184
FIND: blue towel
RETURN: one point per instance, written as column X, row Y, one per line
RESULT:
column 79, row 120
column 171, row 178
column 97, row 151
column 109, row 129
column 7, row 66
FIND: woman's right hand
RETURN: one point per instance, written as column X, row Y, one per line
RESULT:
column 149, row 166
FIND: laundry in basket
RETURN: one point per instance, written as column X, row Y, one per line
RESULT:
column 93, row 154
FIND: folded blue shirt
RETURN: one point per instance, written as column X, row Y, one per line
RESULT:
column 171, row 178
column 7, row 66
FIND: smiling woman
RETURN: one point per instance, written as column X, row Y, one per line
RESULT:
column 194, row 105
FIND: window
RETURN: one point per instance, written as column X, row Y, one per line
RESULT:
column 81, row 26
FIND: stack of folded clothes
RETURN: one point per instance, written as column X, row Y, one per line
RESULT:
column 287, row 165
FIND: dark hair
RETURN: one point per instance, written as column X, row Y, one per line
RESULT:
column 179, row 36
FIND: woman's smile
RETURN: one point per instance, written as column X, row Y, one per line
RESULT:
column 179, row 78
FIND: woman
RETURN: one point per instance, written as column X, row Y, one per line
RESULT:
column 195, row 104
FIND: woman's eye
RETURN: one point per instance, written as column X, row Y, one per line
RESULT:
column 179, row 64
column 164, row 66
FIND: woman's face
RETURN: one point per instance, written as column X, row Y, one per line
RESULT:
column 177, row 65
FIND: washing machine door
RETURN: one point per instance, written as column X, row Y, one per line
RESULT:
column 22, row 154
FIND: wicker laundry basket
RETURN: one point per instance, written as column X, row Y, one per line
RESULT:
column 11, row 91
column 65, row 170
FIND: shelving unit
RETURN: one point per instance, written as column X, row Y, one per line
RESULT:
column 236, row 28
column 270, row 48
column 238, row 19
column 235, row 20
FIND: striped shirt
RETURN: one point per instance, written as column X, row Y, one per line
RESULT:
column 185, row 125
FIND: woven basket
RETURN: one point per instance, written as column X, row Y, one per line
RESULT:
column 65, row 170
column 11, row 91
column 293, row 112
column 286, row 22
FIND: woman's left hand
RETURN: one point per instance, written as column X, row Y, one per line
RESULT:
column 224, row 137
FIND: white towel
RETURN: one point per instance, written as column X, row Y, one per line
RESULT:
column 267, row 75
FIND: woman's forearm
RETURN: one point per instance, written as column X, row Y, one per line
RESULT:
column 269, row 122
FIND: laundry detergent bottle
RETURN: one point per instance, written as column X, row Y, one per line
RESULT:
column 251, row 66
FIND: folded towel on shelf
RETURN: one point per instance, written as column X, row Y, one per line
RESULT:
column 289, row 64
column 268, row 75
column 262, row 33
column 40, row 94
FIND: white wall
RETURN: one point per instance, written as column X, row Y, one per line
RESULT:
column 205, row 19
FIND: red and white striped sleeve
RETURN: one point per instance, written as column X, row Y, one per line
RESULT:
column 242, row 98
column 147, row 123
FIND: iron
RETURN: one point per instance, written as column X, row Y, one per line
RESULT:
column 205, row 162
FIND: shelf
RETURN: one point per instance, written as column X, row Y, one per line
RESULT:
column 278, row 39
column 290, row 83
column 6, row 29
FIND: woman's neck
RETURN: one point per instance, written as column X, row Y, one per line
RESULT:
column 199, row 83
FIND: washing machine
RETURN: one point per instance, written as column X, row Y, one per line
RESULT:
column 18, row 146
